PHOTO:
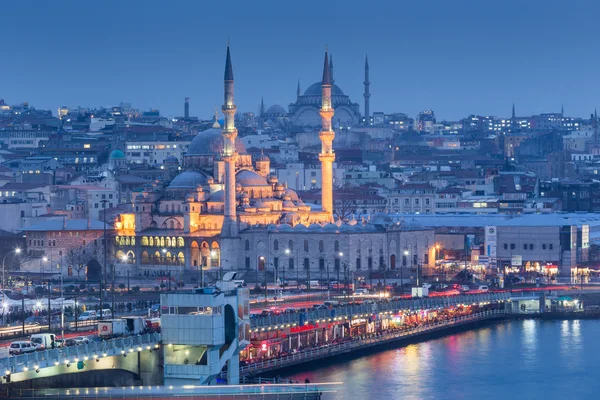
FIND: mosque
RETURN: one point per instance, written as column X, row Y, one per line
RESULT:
column 305, row 112
column 226, row 211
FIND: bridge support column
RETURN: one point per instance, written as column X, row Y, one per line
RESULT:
column 233, row 370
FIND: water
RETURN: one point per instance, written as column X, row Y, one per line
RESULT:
column 528, row 359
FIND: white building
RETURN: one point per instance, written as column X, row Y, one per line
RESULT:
column 154, row 153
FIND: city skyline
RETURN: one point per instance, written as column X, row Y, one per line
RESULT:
column 93, row 57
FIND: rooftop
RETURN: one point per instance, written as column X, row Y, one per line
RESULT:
column 67, row 225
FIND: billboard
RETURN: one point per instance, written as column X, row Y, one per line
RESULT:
column 491, row 241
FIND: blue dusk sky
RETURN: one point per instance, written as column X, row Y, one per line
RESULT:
column 455, row 57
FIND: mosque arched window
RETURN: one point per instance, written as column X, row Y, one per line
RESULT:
column 291, row 245
column 180, row 242
column 168, row 242
column 336, row 246
column 145, row 241
column 321, row 246
column 247, row 246
column 306, row 246
column 150, row 241
column 276, row 245
column 133, row 240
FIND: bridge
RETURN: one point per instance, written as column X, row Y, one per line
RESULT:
column 144, row 349
column 91, row 356
column 361, row 344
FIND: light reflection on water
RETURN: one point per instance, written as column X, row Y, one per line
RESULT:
column 530, row 359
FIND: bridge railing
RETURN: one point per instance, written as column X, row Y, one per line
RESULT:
column 330, row 350
column 363, row 309
column 82, row 352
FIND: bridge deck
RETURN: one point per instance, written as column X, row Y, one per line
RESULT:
column 275, row 391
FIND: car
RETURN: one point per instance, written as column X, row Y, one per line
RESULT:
column 21, row 347
column 81, row 340
column 289, row 311
column 59, row 342
column 265, row 313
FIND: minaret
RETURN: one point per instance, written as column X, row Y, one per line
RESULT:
column 367, row 94
column 186, row 108
column 229, row 133
column 331, row 68
column 298, row 92
column 326, row 135
column 595, row 126
column 513, row 111
column 262, row 115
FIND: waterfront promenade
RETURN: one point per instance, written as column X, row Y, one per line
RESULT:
column 330, row 350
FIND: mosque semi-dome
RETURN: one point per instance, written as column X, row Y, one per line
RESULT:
column 250, row 178
column 210, row 141
column 188, row 179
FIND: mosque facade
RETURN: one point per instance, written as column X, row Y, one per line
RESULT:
column 223, row 210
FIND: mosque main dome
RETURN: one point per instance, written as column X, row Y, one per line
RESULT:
column 315, row 90
column 210, row 141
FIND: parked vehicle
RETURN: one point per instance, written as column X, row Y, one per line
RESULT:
column 106, row 313
column 134, row 325
column 81, row 340
column 483, row 288
column 361, row 292
column 21, row 347
column 331, row 303
column 43, row 341
column 111, row 328
column 87, row 315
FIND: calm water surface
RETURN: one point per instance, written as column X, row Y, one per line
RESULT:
column 528, row 359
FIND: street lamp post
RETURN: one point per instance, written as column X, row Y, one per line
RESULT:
column 103, row 272
column 404, row 262
column 15, row 251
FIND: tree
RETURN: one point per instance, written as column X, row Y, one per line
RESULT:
column 345, row 203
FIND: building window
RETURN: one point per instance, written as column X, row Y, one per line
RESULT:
column 291, row 245
column 306, row 246
column 306, row 263
column 321, row 264
column 291, row 263
column 247, row 245
column 247, row 262
column 531, row 246
column 524, row 246
column 321, row 246
column 406, row 202
column 358, row 266
column 550, row 246
column 276, row 263
column 336, row 264
column 336, row 246
column 543, row 246
column 512, row 246
column 505, row 246
column 276, row 245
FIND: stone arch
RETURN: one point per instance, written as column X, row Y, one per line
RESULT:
column 392, row 261
column 205, row 254
column 119, row 255
column 181, row 258
column 145, row 257
column 215, row 254
column 181, row 242
column 144, row 240
column 195, row 254
column 156, row 257
column 275, row 245
column 151, row 241
column 168, row 242
column 130, row 257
